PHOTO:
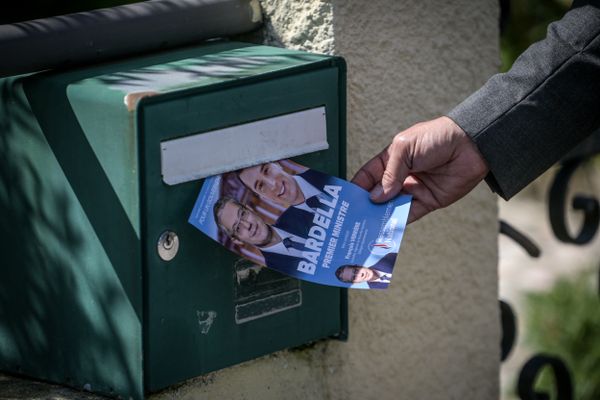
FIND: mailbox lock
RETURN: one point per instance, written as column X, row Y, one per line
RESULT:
column 168, row 245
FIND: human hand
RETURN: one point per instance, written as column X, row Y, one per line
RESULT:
column 434, row 161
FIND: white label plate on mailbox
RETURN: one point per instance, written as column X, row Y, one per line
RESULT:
column 215, row 152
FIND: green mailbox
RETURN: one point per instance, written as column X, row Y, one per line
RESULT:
column 105, row 286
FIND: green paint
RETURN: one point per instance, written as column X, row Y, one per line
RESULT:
column 84, row 296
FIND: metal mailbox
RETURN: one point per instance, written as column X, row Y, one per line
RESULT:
column 105, row 286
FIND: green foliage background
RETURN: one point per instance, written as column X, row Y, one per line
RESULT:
column 565, row 322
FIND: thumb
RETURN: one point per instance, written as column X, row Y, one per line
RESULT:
column 396, row 171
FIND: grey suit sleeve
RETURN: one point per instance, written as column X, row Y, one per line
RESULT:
column 524, row 120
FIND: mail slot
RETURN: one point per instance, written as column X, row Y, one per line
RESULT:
column 105, row 286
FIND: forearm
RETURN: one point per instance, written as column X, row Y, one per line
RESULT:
column 523, row 121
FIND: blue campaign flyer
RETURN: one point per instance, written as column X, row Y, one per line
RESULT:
column 303, row 223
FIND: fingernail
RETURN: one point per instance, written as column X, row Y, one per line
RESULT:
column 376, row 192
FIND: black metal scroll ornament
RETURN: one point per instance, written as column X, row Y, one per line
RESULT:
column 509, row 323
column 556, row 204
column 531, row 370
column 509, row 329
column 520, row 238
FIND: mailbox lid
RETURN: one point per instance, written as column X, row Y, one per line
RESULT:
column 194, row 67
column 198, row 317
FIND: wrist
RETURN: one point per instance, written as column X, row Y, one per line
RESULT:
column 466, row 144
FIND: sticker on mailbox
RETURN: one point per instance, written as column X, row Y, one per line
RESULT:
column 303, row 223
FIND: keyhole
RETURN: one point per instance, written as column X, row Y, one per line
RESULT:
column 168, row 245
